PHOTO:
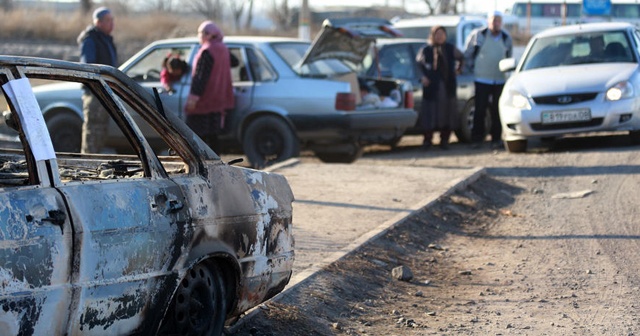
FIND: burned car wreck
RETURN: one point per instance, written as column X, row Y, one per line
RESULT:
column 149, row 244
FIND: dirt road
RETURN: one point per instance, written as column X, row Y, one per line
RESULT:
column 546, row 244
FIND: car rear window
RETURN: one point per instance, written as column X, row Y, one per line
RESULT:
column 292, row 54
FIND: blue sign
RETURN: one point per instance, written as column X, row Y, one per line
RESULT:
column 596, row 7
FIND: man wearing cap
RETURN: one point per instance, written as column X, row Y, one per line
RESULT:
column 96, row 46
column 211, row 96
column 485, row 48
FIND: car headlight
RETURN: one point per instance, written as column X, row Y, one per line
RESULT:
column 517, row 100
column 619, row 91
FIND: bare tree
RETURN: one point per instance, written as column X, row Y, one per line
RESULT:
column 211, row 9
column 249, row 21
column 281, row 14
column 85, row 6
column 238, row 8
column 159, row 5
column 443, row 6
column 7, row 5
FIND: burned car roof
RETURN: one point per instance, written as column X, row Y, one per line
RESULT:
column 148, row 242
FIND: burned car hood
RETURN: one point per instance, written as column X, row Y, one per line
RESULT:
column 347, row 39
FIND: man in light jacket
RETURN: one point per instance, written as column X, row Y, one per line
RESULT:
column 485, row 48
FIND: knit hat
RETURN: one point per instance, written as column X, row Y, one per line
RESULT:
column 100, row 12
column 495, row 13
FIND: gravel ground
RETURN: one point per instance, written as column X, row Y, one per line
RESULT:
column 546, row 244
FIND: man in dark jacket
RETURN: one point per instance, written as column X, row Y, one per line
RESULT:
column 96, row 46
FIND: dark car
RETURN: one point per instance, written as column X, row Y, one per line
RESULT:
column 100, row 244
column 396, row 58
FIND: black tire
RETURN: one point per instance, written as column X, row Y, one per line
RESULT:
column 341, row 157
column 394, row 142
column 199, row 306
column 268, row 140
column 516, row 146
column 634, row 136
column 65, row 129
column 465, row 121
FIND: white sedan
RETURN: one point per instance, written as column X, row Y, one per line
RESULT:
column 573, row 79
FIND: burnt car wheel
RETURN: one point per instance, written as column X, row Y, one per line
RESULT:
column 198, row 306
column 268, row 140
column 65, row 129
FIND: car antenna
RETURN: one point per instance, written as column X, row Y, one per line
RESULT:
column 158, row 102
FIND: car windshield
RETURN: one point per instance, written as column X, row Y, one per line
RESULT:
column 292, row 54
column 586, row 48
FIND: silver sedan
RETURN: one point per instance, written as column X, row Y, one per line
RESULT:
column 573, row 79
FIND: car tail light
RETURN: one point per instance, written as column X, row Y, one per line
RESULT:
column 408, row 99
column 345, row 101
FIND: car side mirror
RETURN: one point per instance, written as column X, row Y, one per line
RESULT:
column 507, row 64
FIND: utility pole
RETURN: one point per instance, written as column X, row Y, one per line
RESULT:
column 304, row 30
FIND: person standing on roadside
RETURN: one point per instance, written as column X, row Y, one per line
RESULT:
column 211, row 95
column 440, row 62
column 485, row 48
column 96, row 46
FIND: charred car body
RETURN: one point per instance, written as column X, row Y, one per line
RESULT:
column 99, row 244
column 290, row 95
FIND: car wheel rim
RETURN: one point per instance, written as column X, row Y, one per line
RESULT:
column 195, row 302
column 269, row 145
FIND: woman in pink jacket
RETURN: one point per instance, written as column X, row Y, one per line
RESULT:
column 211, row 93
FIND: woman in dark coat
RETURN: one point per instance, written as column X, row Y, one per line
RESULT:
column 440, row 62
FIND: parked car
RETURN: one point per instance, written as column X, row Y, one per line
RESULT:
column 573, row 79
column 289, row 95
column 100, row 244
column 458, row 28
column 396, row 58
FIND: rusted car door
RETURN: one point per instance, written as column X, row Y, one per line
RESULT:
column 36, row 240
column 128, row 233
column 35, row 259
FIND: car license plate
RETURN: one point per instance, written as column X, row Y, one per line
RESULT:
column 556, row 117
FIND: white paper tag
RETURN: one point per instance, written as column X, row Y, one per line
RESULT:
column 31, row 118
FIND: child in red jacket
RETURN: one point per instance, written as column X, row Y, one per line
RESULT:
column 173, row 68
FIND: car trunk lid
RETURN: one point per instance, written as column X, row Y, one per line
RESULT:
column 348, row 39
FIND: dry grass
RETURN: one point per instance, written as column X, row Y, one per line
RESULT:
column 51, row 34
column 29, row 25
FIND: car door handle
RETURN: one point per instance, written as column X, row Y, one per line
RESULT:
column 56, row 217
